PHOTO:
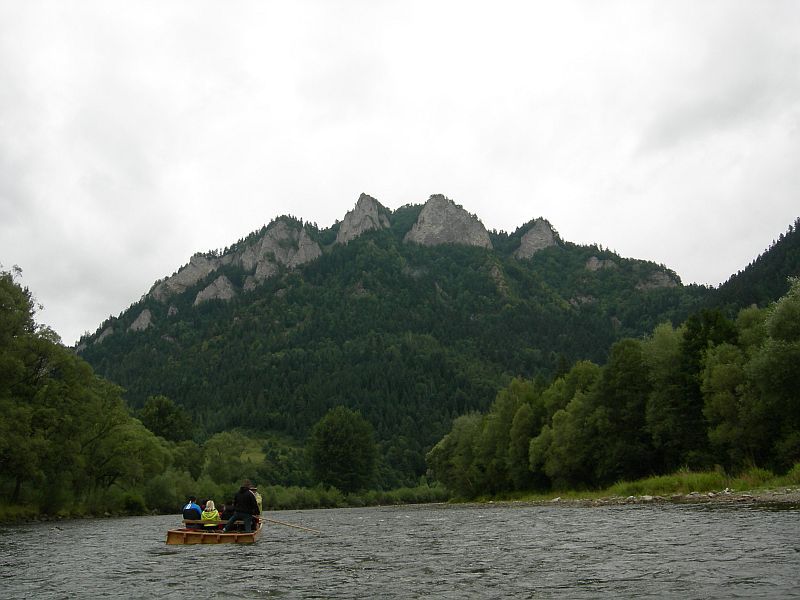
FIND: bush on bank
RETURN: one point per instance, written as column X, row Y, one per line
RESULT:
column 685, row 481
column 288, row 498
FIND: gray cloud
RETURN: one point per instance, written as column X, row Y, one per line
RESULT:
column 135, row 134
column 744, row 71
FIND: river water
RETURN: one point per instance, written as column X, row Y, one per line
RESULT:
column 430, row 551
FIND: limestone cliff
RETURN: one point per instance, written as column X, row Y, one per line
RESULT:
column 441, row 221
column 656, row 280
column 538, row 237
column 220, row 289
column 105, row 333
column 595, row 264
column 281, row 245
column 198, row 268
column 367, row 215
column 143, row 321
column 284, row 243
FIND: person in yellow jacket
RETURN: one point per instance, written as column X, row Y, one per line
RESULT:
column 210, row 513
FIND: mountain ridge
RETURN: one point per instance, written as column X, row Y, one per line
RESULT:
column 286, row 243
column 409, row 334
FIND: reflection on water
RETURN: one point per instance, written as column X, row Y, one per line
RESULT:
column 438, row 551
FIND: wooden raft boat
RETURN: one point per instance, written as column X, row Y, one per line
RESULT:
column 184, row 535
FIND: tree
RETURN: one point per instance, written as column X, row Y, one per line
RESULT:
column 726, row 397
column 493, row 443
column 702, row 331
column 750, row 389
column 342, row 450
column 625, row 449
column 523, row 428
column 452, row 460
column 664, row 412
column 566, row 450
column 187, row 456
column 775, row 376
column 166, row 419
column 225, row 457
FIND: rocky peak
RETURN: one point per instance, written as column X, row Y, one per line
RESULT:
column 368, row 214
column 538, row 237
column 283, row 244
column 442, row 221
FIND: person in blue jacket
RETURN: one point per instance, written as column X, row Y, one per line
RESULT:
column 192, row 511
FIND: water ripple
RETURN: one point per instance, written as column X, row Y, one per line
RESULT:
column 422, row 552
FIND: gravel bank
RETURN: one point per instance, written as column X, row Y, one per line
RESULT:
column 782, row 497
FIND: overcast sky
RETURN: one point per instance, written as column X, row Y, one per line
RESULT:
column 134, row 134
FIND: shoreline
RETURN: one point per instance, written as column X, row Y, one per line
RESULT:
column 784, row 498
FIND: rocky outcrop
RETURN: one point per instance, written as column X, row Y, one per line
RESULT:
column 220, row 289
column 595, row 264
column 368, row 214
column 441, row 221
column 283, row 244
column 499, row 280
column 106, row 332
column 656, row 280
column 143, row 321
column 580, row 300
column 198, row 269
column 538, row 237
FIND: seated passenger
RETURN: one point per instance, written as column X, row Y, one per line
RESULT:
column 227, row 511
column 210, row 513
column 192, row 512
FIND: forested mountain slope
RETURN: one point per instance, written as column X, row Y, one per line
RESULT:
column 413, row 317
column 765, row 279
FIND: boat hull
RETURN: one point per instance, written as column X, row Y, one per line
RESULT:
column 185, row 536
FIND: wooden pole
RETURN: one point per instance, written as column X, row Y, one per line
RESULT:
column 290, row 525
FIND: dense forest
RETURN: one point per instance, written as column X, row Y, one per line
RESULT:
column 764, row 279
column 411, row 336
column 383, row 365
column 69, row 444
column 711, row 392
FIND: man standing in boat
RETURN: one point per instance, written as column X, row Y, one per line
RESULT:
column 244, row 507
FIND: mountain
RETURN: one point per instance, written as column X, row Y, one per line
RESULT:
column 412, row 316
column 766, row 278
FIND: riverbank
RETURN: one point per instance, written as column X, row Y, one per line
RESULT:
column 782, row 497
column 752, row 487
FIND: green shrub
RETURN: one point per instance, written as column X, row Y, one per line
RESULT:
column 793, row 476
column 16, row 514
column 754, row 477
column 134, row 504
column 681, row 482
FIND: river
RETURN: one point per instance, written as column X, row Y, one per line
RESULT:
column 429, row 551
